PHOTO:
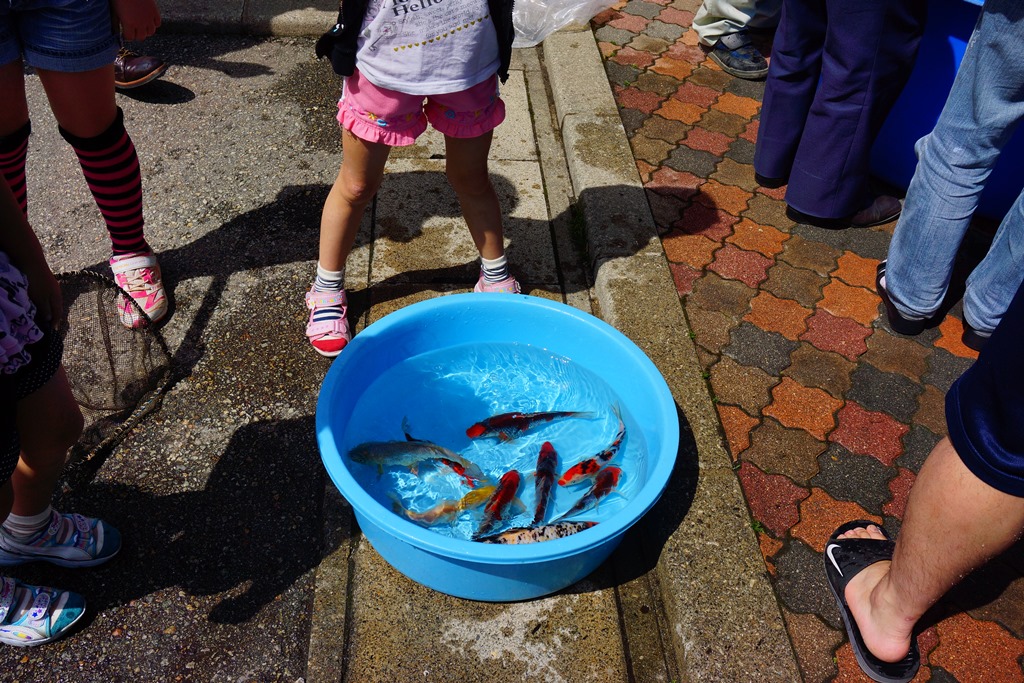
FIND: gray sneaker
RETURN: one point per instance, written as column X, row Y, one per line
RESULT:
column 738, row 57
column 68, row 541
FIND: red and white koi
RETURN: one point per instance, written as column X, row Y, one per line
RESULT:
column 446, row 510
column 604, row 483
column 537, row 534
column 469, row 472
column 544, row 479
column 504, row 498
column 591, row 466
column 508, row 426
column 412, row 454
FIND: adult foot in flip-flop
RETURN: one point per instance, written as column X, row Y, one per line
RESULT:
column 857, row 558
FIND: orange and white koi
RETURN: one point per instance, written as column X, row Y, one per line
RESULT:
column 604, row 483
column 504, row 497
column 544, row 479
column 446, row 510
column 537, row 534
column 589, row 467
column 508, row 426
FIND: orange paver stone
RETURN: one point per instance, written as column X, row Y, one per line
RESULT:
column 692, row 250
column 844, row 301
column 977, row 651
column 737, row 425
column 952, row 330
column 795, row 405
column 769, row 546
column 821, row 514
column 856, row 270
column 785, row 316
column 730, row 199
column 686, row 112
column 741, row 106
column 669, row 66
column 763, row 239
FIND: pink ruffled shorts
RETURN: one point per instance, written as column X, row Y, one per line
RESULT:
column 394, row 118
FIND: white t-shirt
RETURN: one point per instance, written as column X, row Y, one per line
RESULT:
column 427, row 47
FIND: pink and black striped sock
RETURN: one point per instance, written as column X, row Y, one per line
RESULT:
column 111, row 169
column 13, row 152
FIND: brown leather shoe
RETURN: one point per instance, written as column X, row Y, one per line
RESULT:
column 132, row 69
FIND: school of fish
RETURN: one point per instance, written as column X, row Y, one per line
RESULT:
column 497, row 502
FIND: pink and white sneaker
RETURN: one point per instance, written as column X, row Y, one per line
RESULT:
column 328, row 337
column 507, row 286
column 138, row 273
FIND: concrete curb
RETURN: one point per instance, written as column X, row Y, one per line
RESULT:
column 709, row 567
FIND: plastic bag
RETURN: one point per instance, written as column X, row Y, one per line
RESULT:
column 535, row 20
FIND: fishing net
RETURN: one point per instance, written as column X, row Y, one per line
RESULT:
column 117, row 373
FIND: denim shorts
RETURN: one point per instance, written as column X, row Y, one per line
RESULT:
column 58, row 35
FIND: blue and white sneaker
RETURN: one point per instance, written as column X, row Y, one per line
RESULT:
column 33, row 615
column 68, row 541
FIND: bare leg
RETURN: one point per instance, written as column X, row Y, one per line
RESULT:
column 467, row 172
column 83, row 103
column 362, row 168
column 14, row 112
column 49, row 423
column 954, row 523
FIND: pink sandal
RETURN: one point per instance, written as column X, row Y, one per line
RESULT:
column 328, row 337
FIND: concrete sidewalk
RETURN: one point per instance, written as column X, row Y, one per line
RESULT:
column 242, row 561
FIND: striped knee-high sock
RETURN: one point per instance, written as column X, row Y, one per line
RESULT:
column 111, row 169
column 13, row 152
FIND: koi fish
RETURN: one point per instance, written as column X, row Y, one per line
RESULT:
column 605, row 481
column 536, row 534
column 446, row 510
column 547, row 461
column 504, row 497
column 589, row 467
column 411, row 454
column 508, row 426
column 469, row 472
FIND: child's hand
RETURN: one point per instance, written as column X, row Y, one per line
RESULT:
column 139, row 18
column 44, row 291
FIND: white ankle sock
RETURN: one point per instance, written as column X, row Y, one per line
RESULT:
column 495, row 270
column 22, row 528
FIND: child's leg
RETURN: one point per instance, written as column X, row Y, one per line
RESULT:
column 90, row 121
column 362, row 169
column 49, row 422
column 466, row 168
column 14, row 130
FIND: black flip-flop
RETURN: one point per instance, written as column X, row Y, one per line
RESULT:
column 844, row 559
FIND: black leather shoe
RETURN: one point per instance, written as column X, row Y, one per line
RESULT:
column 738, row 57
column 973, row 339
column 132, row 70
column 898, row 323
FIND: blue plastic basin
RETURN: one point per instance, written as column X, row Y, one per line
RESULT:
column 949, row 27
column 482, row 571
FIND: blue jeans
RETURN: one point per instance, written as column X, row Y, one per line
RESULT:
column 984, row 107
column 58, row 35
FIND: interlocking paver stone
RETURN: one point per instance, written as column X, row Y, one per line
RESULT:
column 801, row 582
column 762, row 209
column 900, row 490
column 917, row 444
column 800, row 407
column 744, row 107
column 778, row 450
column 931, row 411
column 820, row 514
column 610, row 39
column 763, row 239
column 684, row 277
column 734, row 263
column 870, row 243
column 622, row 74
column 773, row 498
column 655, row 82
column 705, row 140
column 869, row 433
column 851, row 477
column 686, row 112
column 769, row 546
column 672, row 182
column 631, row 23
column 855, row 270
column 944, row 368
column 714, row 293
column 845, row 301
column 826, row 370
column 649, row 44
column 651, row 148
column 740, row 385
column 662, row 129
column 700, row 219
column 750, row 345
column 667, row 32
column 737, row 425
column 802, row 253
column 884, row 392
column 672, row 15
column 742, row 152
column 731, row 172
column 975, row 650
column 814, row 642
column 832, row 333
column 676, row 68
column 632, row 97
column 694, row 161
column 785, row 316
column 696, row 94
column 731, row 199
column 951, row 331
column 710, row 329
column 666, row 209
column 693, row 250
column 724, row 123
column 799, row 284
column 643, row 9
column 890, row 353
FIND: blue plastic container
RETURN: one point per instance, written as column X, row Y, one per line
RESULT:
column 482, row 571
column 949, row 27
